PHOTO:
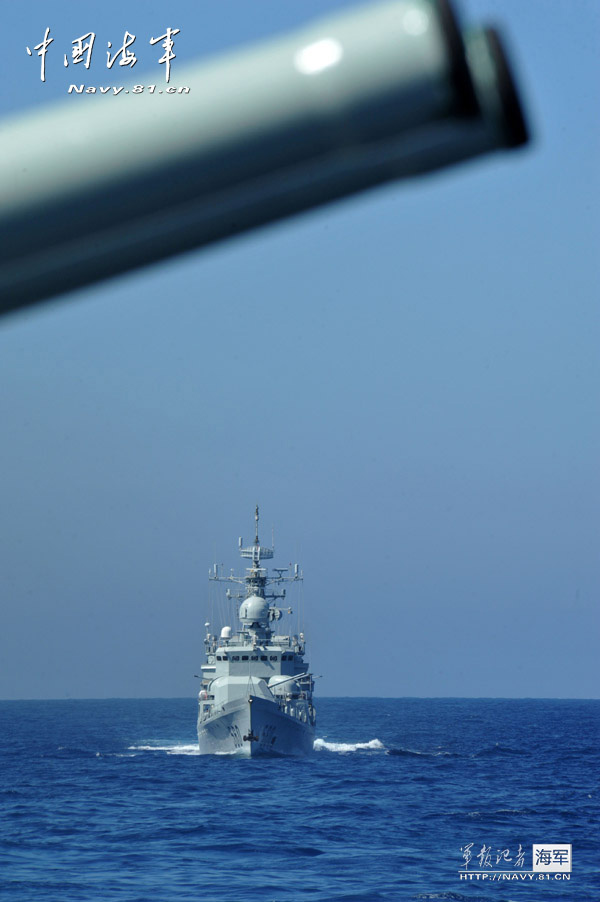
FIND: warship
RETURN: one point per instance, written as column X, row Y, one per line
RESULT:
column 256, row 694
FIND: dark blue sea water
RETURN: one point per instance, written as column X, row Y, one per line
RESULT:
column 107, row 800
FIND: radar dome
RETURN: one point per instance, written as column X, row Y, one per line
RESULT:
column 226, row 632
column 254, row 610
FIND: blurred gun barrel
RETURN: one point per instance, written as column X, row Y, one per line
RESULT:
column 95, row 186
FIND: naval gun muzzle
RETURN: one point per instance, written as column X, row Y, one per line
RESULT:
column 94, row 187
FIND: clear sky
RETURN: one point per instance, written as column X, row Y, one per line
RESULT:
column 407, row 382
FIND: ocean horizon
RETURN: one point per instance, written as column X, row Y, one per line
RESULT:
column 509, row 698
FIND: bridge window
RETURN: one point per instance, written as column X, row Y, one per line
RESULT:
column 254, row 658
column 244, row 657
column 263, row 657
column 235, row 657
column 273, row 657
column 218, row 657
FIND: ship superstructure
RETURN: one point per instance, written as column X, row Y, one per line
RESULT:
column 256, row 695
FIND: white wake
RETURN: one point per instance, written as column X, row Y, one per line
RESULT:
column 373, row 744
column 319, row 746
column 169, row 749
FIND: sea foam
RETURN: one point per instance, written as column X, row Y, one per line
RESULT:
column 180, row 749
column 372, row 745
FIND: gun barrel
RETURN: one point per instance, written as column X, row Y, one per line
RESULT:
column 93, row 187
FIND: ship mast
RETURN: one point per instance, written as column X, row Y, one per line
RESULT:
column 257, row 578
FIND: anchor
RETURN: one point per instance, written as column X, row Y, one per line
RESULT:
column 250, row 737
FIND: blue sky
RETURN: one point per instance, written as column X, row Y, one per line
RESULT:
column 407, row 382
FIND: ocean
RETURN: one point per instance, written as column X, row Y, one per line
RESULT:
column 402, row 799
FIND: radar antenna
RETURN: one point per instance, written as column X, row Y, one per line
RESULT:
column 256, row 552
column 257, row 577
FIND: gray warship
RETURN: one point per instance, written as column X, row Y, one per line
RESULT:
column 256, row 694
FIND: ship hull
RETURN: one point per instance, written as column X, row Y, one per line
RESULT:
column 252, row 727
